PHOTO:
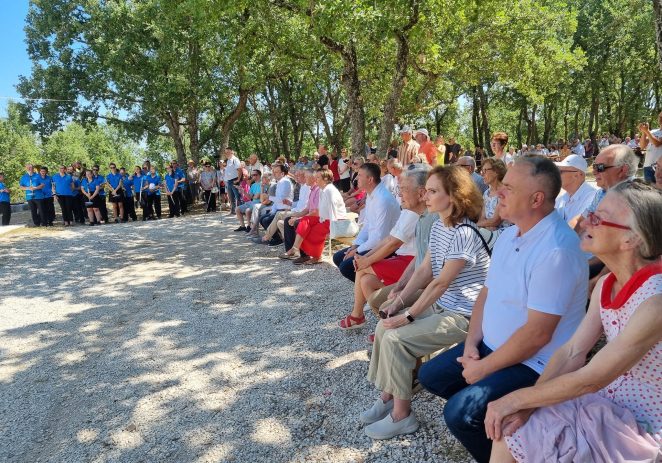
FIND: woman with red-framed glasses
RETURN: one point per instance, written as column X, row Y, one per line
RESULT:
column 608, row 409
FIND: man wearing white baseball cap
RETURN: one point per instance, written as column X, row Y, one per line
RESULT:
column 408, row 148
column 578, row 193
column 426, row 146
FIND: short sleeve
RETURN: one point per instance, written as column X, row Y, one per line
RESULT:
column 464, row 246
column 405, row 228
column 554, row 280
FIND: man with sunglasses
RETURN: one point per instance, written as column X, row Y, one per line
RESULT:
column 652, row 143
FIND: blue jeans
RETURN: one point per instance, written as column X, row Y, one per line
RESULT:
column 649, row 174
column 233, row 195
column 346, row 267
column 466, row 404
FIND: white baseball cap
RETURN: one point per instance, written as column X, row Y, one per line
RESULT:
column 574, row 161
column 423, row 131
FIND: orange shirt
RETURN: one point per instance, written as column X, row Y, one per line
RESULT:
column 429, row 150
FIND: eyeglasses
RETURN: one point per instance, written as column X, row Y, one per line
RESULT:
column 601, row 167
column 596, row 221
column 486, row 169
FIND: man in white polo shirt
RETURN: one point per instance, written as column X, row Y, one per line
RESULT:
column 578, row 193
column 232, row 166
column 533, row 300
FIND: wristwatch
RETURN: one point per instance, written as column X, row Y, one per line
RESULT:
column 409, row 317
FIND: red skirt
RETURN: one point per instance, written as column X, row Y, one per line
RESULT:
column 314, row 235
column 390, row 270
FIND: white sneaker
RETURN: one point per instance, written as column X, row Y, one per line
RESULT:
column 377, row 412
column 386, row 428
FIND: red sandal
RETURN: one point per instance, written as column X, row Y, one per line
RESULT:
column 351, row 323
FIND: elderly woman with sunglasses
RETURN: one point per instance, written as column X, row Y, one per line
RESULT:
column 607, row 409
column 451, row 276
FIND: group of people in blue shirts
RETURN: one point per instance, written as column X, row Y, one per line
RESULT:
column 83, row 193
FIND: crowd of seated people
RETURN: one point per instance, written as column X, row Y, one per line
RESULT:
column 504, row 320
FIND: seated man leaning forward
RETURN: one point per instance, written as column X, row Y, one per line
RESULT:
column 452, row 274
column 533, row 301
column 381, row 213
column 384, row 264
column 608, row 409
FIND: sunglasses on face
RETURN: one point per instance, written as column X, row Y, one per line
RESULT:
column 596, row 221
column 601, row 167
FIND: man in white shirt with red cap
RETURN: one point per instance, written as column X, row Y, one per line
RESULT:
column 577, row 192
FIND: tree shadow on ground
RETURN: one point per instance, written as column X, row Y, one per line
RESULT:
column 177, row 341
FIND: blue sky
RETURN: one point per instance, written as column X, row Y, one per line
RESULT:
column 14, row 59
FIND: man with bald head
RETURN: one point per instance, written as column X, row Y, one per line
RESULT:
column 469, row 163
column 519, row 318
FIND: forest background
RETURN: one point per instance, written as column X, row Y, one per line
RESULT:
column 124, row 81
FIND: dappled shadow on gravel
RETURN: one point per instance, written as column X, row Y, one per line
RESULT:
column 180, row 341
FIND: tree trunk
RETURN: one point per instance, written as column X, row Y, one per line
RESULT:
column 475, row 120
column 657, row 8
column 565, row 119
column 176, row 133
column 231, row 118
column 393, row 99
column 548, row 112
column 483, row 102
column 520, row 121
column 193, row 135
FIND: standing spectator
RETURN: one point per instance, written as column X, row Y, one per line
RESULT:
column 101, row 181
column 335, row 168
column 470, row 164
column 127, row 197
column 498, row 145
column 652, row 143
column 152, row 188
column 344, row 165
column 208, row 185
column 578, row 193
column 77, row 201
column 440, row 143
column 426, row 147
column 518, row 320
column 193, row 176
column 64, row 186
column 452, row 151
column 232, row 166
column 114, row 180
column 381, row 214
column 5, row 205
column 408, row 148
column 47, row 196
column 182, row 187
column 138, row 181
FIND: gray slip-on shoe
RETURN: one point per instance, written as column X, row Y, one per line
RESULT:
column 377, row 412
column 386, row 428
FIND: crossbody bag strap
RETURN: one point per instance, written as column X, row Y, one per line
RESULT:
column 485, row 245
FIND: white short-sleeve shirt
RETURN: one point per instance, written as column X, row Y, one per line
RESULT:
column 570, row 207
column 543, row 270
column 653, row 153
column 405, row 230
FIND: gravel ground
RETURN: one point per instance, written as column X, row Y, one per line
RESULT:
column 179, row 341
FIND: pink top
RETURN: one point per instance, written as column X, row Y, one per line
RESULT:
column 314, row 198
column 640, row 389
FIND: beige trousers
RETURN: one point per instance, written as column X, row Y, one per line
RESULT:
column 273, row 226
column 395, row 351
column 379, row 297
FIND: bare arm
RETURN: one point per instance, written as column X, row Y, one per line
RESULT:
column 385, row 248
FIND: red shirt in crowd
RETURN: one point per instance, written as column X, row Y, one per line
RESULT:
column 429, row 150
column 334, row 169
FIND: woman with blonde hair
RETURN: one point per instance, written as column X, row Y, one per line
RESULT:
column 451, row 277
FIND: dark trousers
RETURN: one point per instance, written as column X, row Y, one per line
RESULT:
column 346, row 267
column 267, row 219
column 5, row 211
column 649, row 174
column 183, row 200
column 174, row 203
column 210, row 200
column 78, row 208
column 345, row 184
column 103, row 210
column 66, row 204
column 290, row 233
column 37, row 212
column 153, row 206
column 129, row 208
column 466, row 404
column 49, row 210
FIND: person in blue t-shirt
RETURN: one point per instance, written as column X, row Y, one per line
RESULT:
column 151, row 187
column 64, row 186
column 5, row 205
column 127, row 197
column 91, row 188
column 77, row 203
column 47, row 192
column 172, row 191
column 183, row 186
column 137, row 178
column 101, row 180
column 116, row 195
column 31, row 184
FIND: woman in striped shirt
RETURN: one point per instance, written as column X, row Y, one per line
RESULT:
column 451, row 277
